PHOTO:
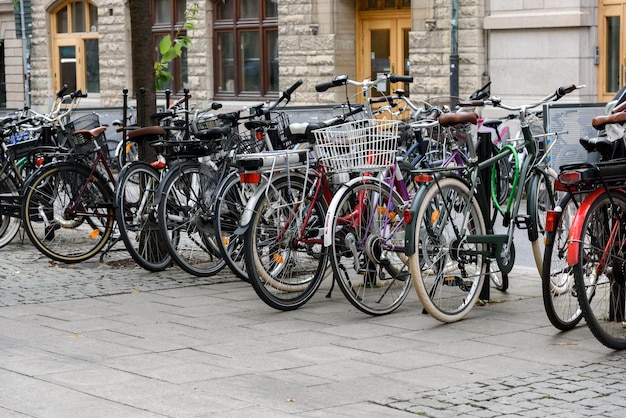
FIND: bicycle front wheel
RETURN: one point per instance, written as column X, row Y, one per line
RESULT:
column 557, row 278
column 137, row 216
column 68, row 213
column 285, row 257
column 185, row 217
column 447, row 271
column 367, row 253
column 9, row 223
column 599, row 275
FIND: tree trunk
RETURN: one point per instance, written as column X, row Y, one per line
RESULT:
column 142, row 55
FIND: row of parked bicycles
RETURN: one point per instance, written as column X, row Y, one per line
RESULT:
column 389, row 195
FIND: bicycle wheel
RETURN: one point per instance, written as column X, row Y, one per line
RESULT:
column 367, row 253
column 599, row 275
column 541, row 198
column 232, row 198
column 284, row 266
column 557, row 278
column 68, row 212
column 447, row 271
column 137, row 216
column 9, row 223
column 185, row 217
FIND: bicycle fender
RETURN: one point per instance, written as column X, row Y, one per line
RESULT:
column 573, row 240
column 248, row 211
column 332, row 208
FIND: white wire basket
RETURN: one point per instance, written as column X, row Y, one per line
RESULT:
column 363, row 145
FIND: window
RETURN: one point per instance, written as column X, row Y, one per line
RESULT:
column 246, row 47
column 75, row 46
column 168, row 17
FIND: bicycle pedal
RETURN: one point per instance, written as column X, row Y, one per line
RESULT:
column 522, row 222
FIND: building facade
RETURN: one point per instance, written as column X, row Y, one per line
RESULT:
column 250, row 49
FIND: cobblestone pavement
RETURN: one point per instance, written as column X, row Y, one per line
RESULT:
column 186, row 333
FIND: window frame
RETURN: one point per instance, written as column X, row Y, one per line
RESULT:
column 73, row 38
column 178, row 68
column 235, row 26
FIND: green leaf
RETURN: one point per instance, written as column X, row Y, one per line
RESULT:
column 165, row 44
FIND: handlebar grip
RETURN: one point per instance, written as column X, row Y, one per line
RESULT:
column 78, row 93
column 61, row 92
column 382, row 99
column 287, row 93
column 395, row 78
column 471, row 103
column 562, row 91
column 323, row 86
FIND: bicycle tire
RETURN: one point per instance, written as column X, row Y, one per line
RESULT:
column 599, row 274
column 284, row 276
column 447, row 272
column 232, row 197
column 9, row 225
column 557, row 278
column 137, row 214
column 51, row 224
column 185, row 215
column 541, row 198
column 367, row 252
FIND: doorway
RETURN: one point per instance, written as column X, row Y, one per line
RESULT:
column 612, row 49
column 383, row 47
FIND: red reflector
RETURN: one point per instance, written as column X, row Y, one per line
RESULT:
column 158, row 165
column 249, row 178
column 559, row 187
column 551, row 217
column 408, row 216
column 423, row 178
column 258, row 135
column 39, row 161
column 569, row 177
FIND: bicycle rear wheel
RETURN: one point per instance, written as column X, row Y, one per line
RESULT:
column 557, row 278
column 599, row 275
column 9, row 223
column 284, row 266
column 68, row 213
column 367, row 253
column 447, row 271
column 137, row 216
column 185, row 217
column 232, row 197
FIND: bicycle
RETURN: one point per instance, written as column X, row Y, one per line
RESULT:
column 282, row 223
column 559, row 296
column 450, row 244
column 596, row 237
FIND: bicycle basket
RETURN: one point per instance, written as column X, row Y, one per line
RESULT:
column 277, row 132
column 364, row 145
column 202, row 124
column 88, row 121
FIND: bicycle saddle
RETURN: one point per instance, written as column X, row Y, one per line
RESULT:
column 451, row 119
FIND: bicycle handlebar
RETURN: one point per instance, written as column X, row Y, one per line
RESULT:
column 343, row 79
column 497, row 102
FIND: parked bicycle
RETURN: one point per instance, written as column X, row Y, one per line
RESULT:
column 450, row 240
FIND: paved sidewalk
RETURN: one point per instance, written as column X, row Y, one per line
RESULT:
column 107, row 339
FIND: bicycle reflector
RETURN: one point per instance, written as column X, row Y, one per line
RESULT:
column 559, row 187
column 249, row 178
column 551, row 218
column 408, row 217
column 423, row 178
column 570, row 177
